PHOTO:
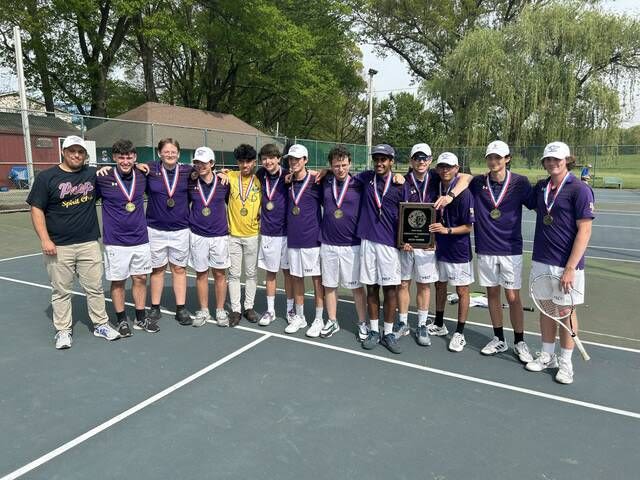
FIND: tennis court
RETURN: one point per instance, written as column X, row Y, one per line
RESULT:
column 253, row 402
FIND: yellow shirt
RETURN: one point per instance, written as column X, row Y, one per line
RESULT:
column 244, row 225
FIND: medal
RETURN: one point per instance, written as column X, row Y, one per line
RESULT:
column 270, row 191
column 339, row 199
column 206, row 211
column 422, row 192
column 547, row 219
column 171, row 188
column 243, row 196
column 496, row 213
column 269, row 206
column 244, row 212
column 296, row 198
column 128, row 193
column 376, row 196
column 338, row 213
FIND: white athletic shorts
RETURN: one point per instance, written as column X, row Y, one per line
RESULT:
column 456, row 274
column 273, row 254
column 500, row 270
column 379, row 264
column 419, row 265
column 169, row 247
column 304, row 262
column 340, row 264
column 122, row 262
column 538, row 268
column 208, row 252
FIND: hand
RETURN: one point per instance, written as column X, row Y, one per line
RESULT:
column 101, row 173
column 224, row 178
column 321, row 174
column 437, row 228
column 567, row 279
column 49, row 248
column 288, row 177
column 407, row 248
column 442, row 202
column 194, row 175
column 143, row 167
column 398, row 179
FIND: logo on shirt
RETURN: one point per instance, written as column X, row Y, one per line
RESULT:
column 591, row 207
column 471, row 211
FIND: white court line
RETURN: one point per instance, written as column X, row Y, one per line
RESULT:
column 600, row 247
column 625, row 227
column 20, row 256
column 618, row 212
column 127, row 413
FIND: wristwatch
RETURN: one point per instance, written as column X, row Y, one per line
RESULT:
column 452, row 195
column 449, row 231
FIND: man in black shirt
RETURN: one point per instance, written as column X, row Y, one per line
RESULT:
column 63, row 212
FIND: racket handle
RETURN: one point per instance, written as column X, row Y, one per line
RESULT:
column 581, row 349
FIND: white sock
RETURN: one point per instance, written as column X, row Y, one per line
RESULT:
column 549, row 348
column 388, row 328
column 289, row 304
column 566, row 354
column 373, row 325
column 300, row 310
column 402, row 317
column 271, row 304
column 319, row 312
column 422, row 317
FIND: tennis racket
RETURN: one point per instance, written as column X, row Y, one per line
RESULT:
column 548, row 296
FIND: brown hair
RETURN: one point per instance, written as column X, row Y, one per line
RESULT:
column 338, row 152
column 270, row 150
column 571, row 162
column 168, row 141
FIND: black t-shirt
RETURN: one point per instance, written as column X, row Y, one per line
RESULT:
column 68, row 200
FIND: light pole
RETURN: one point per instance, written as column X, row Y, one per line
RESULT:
column 372, row 72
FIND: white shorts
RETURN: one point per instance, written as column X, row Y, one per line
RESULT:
column 379, row 264
column 500, row 270
column 340, row 264
column 538, row 268
column 456, row 274
column 208, row 252
column 169, row 247
column 419, row 265
column 122, row 262
column 304, row 262
column 273, row 254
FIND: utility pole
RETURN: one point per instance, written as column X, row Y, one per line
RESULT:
column 372, row 72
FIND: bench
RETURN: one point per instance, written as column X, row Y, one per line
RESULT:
column 615, row 181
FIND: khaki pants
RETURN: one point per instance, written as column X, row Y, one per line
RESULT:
column 243, row 248
column 84, row 260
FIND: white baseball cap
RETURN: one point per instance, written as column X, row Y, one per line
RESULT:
column 498, row 147
column 420, row 148
column 447, row 158
column 73, row 140
column 557, row 150
column 297, row 151
column 204, row 154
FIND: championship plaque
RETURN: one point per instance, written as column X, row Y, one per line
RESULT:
column 413, row 227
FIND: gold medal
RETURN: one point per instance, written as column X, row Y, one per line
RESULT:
column 171, row 202
column 244, row 212
column 495, row 214
column 295, row 210
column 338, row 213
column 269, row 206
column 547, row 220
column 206, row 211
column 130, row 207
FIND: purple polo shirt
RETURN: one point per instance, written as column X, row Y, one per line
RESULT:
column 119, row 226
column 303, row 230
column 552, row 244
column 456, row 248
column 340, row 231
column 215, row 224
column 377, row 228
column 273, row 222
column 159, row 215
column 502, row 236
column 413, row 191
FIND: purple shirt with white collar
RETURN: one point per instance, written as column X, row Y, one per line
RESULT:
column 340, row 231
column 215, row 224
column 159, row 215
column 274, row 222
column 413, row 191
column 502, row 236
column 119, row 226
column 456, row 248
column 552, row 244
column 303, row 230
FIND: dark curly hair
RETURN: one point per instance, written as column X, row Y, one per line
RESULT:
column 339, row 151
column 123, row 147
column 244, row 152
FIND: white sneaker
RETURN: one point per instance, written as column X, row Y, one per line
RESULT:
column 266, row 319
column 363, row 331
column 296, row 323
column 222, row 318
column 457, row 342
column 543, row 361
column 63, row 339
column 330, row 328
column 495, row 346
column 565, row 372
column 315, row 328
column 522, row 351
column 106, row 331
column 437, row 331
column 202, row 317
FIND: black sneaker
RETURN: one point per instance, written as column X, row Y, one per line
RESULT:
column 234, row 319
column 183, row 317
column 155, row 314
column 123, row 329
column 251, row 315
column 148, row 325
column 390, row 341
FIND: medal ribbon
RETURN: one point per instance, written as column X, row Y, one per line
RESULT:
column 503, row 191
column 271, row 191
column 547, row 190
column 376, row 196
column 243, row 196
column 421, row 192
column 132, row 190
column 451, row 185
column 206, row 201
column 339, row 199
column 171, row 188
column 305, row 184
